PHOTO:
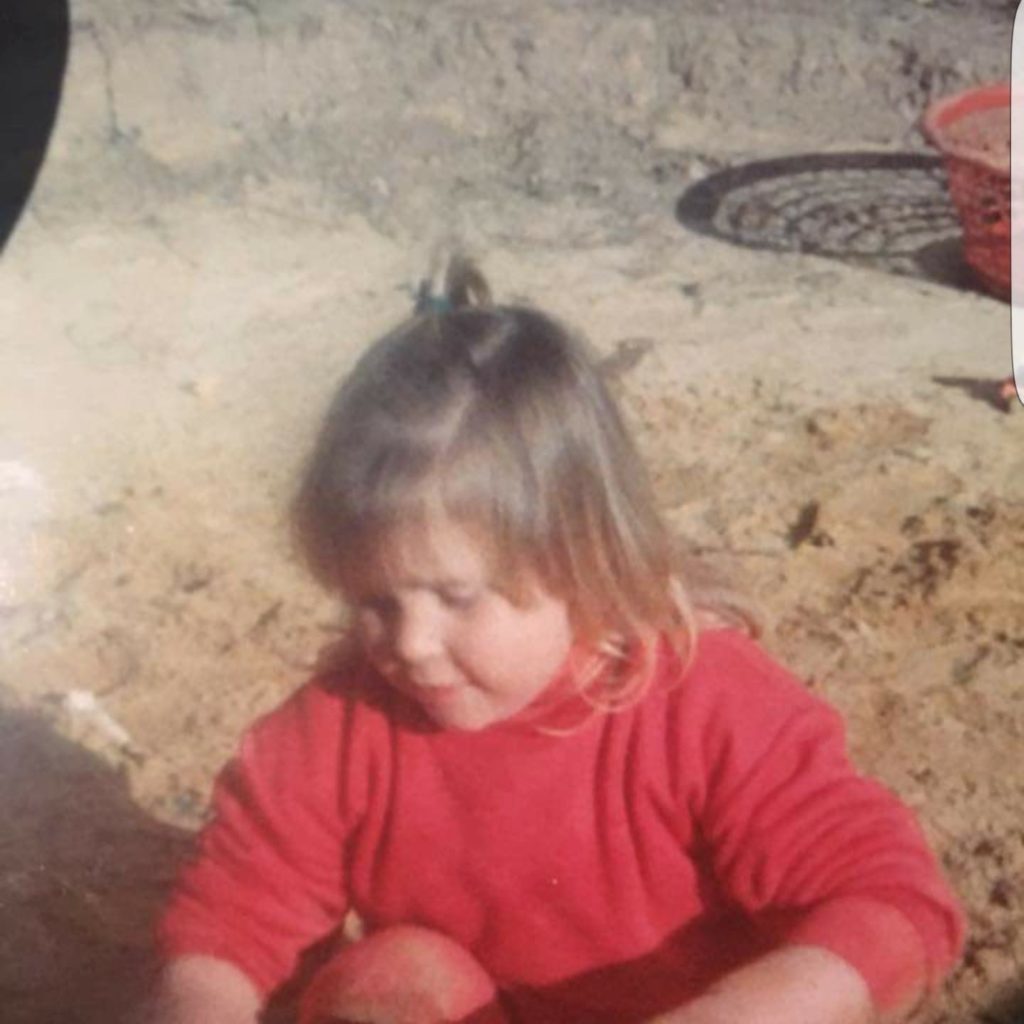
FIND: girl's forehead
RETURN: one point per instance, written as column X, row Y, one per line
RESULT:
column 425, row 551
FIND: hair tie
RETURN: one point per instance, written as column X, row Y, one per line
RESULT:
column 428, row 302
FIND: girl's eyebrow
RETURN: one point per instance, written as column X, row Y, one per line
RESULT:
column 447, row 583
column 428, row 582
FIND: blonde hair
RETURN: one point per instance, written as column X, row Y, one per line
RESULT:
column 498, row 418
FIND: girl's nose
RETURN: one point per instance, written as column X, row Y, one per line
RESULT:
column 416, row 636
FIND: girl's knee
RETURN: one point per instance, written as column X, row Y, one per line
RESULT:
column 401, row 975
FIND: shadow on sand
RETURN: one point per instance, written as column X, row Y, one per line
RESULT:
column 82, row 873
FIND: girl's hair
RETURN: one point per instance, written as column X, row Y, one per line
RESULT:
column 498, row 418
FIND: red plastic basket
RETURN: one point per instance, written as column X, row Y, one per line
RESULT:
column 972, row 131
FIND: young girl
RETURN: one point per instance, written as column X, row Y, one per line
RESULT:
column 547, row 775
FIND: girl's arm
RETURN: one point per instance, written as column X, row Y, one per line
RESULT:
column 794, row 985
column 202, row 990
column 808, row 984
column 829, row 866
column 268, row 877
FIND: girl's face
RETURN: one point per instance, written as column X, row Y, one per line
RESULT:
column 435, row 627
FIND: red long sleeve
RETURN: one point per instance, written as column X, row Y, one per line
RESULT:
column 268, row 879
column 603, row 874
column 793, row 826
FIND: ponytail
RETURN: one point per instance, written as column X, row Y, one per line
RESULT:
column 463, row 286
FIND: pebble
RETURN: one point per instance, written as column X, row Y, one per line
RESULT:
column 204, row 388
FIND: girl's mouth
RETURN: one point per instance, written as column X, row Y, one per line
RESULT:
column 435, row 692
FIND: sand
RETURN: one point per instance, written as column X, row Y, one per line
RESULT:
column 238, row 197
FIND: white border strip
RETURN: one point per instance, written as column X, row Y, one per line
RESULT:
column 1017, row 201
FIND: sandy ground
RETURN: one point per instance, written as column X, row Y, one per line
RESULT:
column 238, row 196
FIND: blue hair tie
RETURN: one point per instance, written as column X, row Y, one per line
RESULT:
column 428, row 302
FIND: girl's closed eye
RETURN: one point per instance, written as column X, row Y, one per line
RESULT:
column 459, row 597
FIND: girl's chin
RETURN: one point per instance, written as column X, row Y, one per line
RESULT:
column 457, row 710
column 452, row 716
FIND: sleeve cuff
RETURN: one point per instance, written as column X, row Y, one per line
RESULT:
column 262, row 976
column 876, row 939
